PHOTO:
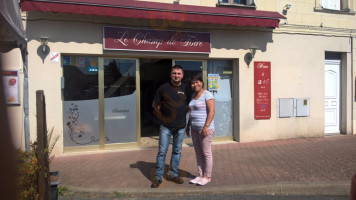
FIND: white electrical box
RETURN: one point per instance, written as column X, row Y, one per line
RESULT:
column 285, row 107
column 302, row 107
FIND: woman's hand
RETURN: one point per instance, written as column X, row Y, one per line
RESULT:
column 205, row 131
column 187, row 128
column 187, row 131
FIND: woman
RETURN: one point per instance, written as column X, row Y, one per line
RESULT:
column 202, row 110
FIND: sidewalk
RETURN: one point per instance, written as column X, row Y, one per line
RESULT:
column 293, row 166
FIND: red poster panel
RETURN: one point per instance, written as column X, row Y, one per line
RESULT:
column 134, row 39
column 11, row 86
column 262, row 90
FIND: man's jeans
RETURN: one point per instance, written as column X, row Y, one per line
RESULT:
column 164, row 139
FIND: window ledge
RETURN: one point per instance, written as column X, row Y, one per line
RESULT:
column 252, row 6
column 343, row 12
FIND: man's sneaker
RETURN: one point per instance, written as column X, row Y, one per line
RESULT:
column 203, row 181
column 174, row 179
column 156, row 183
column 196, row 180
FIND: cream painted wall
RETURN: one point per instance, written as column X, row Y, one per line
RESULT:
column 297, row 73
column 346, row 92
column 12, row 61
column 63, row 38
column 303, row 12
column 354, row 84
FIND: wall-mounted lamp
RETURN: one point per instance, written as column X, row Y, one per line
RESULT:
column 253, row 51
column 250, row 55
column 44, row 42
column 286, row 8
column 43, row 50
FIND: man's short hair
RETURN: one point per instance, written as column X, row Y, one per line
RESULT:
column 177, row 67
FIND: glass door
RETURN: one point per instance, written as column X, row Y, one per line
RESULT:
column 81, row 100
column 220, row 82
column 100, row 104
column 120, row 106
column 191, row 68
column 153, row 73
column 217, row 76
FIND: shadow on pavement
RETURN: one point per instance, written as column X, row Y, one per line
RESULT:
column 148, row 169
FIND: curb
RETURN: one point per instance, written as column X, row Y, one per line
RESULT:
column 282, row 188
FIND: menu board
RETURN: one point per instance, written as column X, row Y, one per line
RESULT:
column 262, row 86
column 11, row 86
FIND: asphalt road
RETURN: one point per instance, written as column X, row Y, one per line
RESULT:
column 209, row 197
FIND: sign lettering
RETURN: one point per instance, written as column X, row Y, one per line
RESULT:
column 117, row 38
column 262, row 88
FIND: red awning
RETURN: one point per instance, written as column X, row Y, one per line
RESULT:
column 12, row 33
column 157, row 11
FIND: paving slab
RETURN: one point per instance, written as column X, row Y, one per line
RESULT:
column 322, row 165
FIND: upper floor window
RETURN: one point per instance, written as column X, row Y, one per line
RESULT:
column 331, row 4
column 334, row 6
column 243, row 3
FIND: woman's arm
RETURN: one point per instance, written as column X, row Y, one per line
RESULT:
column 211, row 112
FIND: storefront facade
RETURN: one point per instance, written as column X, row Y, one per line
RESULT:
column 99, row 88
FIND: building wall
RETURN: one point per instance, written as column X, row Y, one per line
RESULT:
column 296, row 51
column 80, row 38
column 307, row 18
column 296, row 74
column 12, row 61
column 353, row 84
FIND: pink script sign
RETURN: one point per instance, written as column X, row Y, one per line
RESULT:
column 116, row 38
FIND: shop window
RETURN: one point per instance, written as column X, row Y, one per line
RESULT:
column 80, row 78
column 220, row 82
column 237, row 3
column 119, row 77
column 81, row 100
column 81, row 114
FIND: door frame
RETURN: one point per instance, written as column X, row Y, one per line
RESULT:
column 102, row 145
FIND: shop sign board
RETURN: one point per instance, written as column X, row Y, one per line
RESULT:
column 134, row 39
column 11, row 86
column 262, row 86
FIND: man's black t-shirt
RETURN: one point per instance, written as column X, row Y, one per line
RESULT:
column 173, row 101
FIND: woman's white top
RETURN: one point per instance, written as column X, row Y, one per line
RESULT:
column 199, row 111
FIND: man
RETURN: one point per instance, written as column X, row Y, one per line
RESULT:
column 170, row 107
